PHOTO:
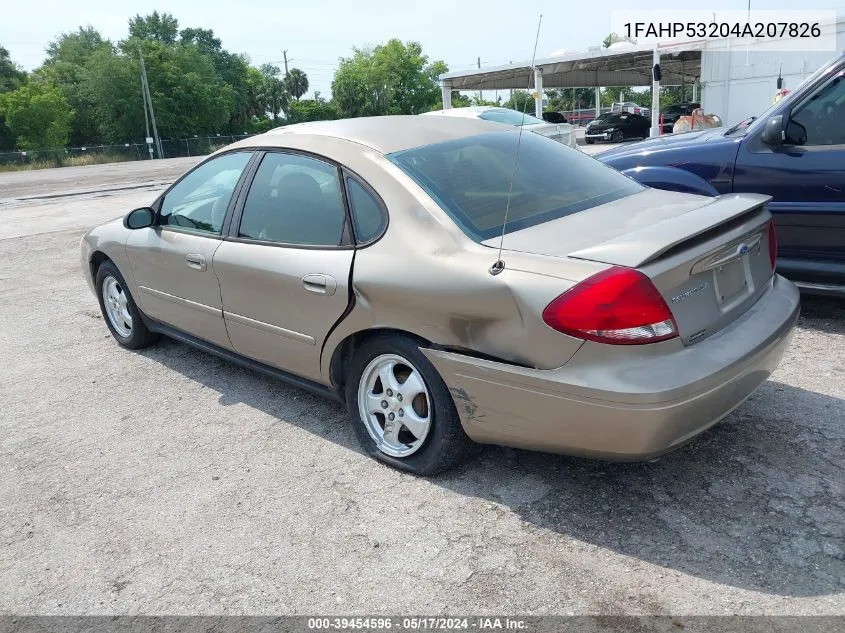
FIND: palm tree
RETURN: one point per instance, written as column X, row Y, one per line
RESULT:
column 297, row 83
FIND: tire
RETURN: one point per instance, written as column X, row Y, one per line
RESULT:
column 130, row 333
column 441, row 446
column 589, row 141
column 618, row 136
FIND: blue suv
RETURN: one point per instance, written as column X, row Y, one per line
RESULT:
column 793, row 152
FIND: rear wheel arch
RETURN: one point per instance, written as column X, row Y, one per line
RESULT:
column 345, row 350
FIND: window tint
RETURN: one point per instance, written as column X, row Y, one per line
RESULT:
column 294, row 200
column 511, row 117
column 199, row 201
column 469, row 178
column 367, row 215
column 823, row 115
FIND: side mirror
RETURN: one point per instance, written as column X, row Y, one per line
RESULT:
column 773, row 133
column 139, row 218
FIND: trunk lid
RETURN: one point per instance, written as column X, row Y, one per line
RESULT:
column 708, row 257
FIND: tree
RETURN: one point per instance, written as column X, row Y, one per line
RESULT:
column 521, row 101
column 310, row 110
column 159, row 27
column 204, row 39
column 276, row 96
column 38, row 116
column 613, row 38
column 11, row 76
column 187, row 94
column 76, row 47
column 66, row 68
column 296, row 83
column 393, row 78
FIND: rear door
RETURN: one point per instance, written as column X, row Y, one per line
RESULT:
column 284, row 268
column 806, row 178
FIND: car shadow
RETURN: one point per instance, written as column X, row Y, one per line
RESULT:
column 757, row 502
column 826, row 314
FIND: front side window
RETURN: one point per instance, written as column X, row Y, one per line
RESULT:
column 821, row 118
column 470, row 179
column 511, row 117
column 199, row 201
column 294, row 200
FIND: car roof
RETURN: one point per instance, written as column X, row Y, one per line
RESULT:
column 385, row 134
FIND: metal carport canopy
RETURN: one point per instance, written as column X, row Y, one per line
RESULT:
column 631, row 65
column 625, row 66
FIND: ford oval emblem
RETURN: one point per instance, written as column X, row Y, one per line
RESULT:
column 742, row 249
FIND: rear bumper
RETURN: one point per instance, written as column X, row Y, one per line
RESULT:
column 629, row 405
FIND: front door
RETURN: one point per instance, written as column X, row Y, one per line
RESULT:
column 806, row 177
column 172, row 261
column 284, row 270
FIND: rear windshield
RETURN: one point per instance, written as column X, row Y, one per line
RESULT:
column 470, row 177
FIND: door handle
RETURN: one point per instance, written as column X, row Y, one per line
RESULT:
column 319, row 283
column 195, row 260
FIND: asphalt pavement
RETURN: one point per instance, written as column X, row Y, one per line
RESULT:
column 167, row 481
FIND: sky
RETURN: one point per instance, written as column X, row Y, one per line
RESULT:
column 316, row 33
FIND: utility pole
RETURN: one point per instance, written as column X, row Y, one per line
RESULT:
column 146, row 88
column 147, row 138
column 479, row 92
column 511, row 91
column 285, row 55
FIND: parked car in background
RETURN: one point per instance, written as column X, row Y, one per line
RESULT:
column 360, row 259
column 616, row 127
column 551, row 116
column 561, row 132
column 793, row 152
column 630, row 106
column 673, row 112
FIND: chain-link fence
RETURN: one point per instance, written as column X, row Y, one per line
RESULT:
column 196, row 145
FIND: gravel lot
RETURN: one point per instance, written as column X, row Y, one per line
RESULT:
column 169, row 482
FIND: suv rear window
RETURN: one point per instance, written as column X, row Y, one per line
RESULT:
column 470, row 179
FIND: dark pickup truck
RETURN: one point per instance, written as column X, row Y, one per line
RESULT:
column 793, row 152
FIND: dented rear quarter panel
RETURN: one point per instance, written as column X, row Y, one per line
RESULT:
column 426, row 277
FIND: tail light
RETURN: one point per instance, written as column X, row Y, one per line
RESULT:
column 773, row 244
column 619, row 306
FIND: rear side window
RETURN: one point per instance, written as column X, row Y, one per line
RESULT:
column 470, row 177
column 367, row 216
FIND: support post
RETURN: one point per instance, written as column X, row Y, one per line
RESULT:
column 598, row 102
column 655, row 96
column 446, row 95
column 538, row 88
column 695, row 90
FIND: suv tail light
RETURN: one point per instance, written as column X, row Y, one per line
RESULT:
column 773, row 244
column 619, row 306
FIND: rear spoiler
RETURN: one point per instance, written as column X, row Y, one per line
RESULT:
column 649, row 243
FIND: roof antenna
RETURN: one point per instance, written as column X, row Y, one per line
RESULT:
column 498, row 266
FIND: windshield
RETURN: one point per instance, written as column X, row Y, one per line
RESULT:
column 511, row 117
column 470, row 179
